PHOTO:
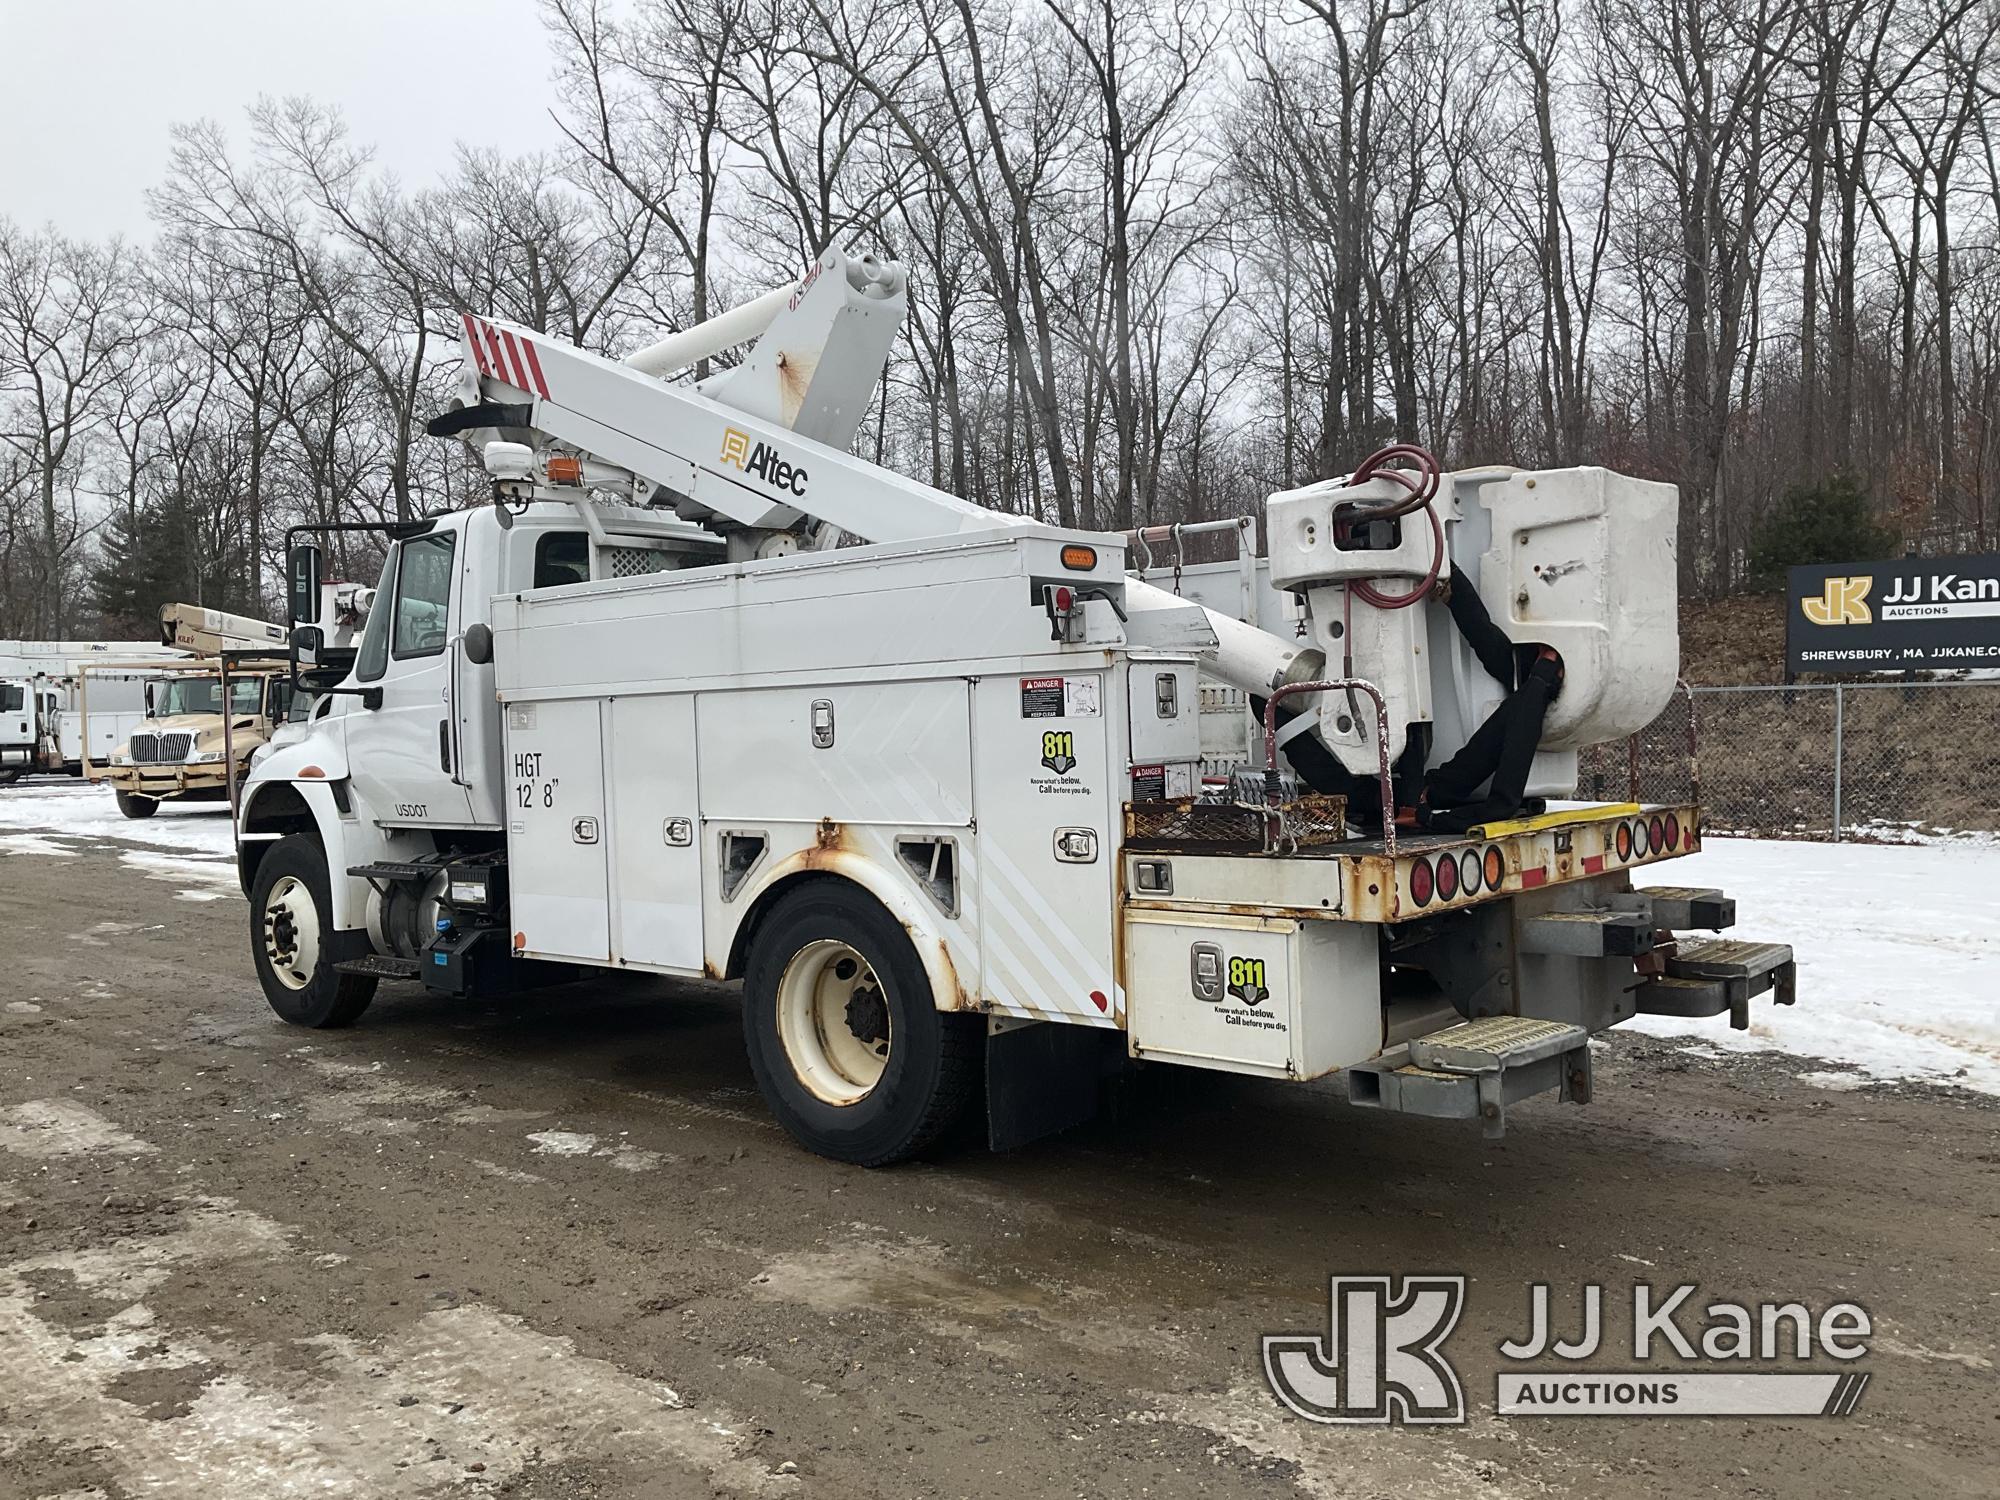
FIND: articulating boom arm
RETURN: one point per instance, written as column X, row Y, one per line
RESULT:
column 761, row 446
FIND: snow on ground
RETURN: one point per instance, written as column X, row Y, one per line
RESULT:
column 77, row 810
column 1890, row 939
column 1898, row 948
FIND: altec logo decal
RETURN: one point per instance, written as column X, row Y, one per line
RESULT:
column 1845, row 602
column 505, row 355
column 762, row 461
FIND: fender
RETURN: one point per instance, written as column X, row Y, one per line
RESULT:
column 833, row 855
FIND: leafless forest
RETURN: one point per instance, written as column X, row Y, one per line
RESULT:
column 1165, row 258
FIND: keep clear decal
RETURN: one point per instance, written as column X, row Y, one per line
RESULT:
column 1060, row 698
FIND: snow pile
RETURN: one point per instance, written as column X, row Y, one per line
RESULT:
column 1890, row 942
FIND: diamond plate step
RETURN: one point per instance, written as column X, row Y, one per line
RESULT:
column 1494, row 1042
column 1475, row 1069
column 389, row 869
column 381, row 966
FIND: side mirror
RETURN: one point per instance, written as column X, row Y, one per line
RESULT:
column 479, row 643
column 307, row 643
column 149, row 698
column 302, row 570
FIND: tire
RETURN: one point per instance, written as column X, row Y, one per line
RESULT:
column 847, row 1091
column 135, row 806
column 293, row 961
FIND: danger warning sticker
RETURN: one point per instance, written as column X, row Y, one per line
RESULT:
column 1059, row 698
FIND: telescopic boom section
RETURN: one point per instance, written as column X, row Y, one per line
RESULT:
column 759, row 446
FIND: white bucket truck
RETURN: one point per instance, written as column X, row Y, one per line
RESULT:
column 700, row 693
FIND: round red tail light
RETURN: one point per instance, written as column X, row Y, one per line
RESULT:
column 1447, row 877
column 1673, row 831
column 1656, row 834
column 1421, row 883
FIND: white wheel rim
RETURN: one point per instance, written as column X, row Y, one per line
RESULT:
column 291, row 932
column 833, row 1022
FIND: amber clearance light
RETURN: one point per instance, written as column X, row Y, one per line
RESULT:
column 1078, row 558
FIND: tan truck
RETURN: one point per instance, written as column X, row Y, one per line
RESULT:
column 189, row 749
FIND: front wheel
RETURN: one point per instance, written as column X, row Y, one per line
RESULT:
column 134, row 806
column 845, row 1038
column 291, row 933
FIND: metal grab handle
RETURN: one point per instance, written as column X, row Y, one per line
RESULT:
column 1273, row 787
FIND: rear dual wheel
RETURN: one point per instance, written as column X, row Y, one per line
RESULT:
column 845, row 1038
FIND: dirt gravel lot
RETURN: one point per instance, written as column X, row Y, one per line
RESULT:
column 555, row 1248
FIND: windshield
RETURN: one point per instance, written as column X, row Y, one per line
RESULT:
column 203, row 695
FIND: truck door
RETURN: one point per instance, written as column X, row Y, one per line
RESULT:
column 401, row 753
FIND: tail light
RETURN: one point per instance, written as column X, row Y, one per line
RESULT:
column 1447, row 876
column 1422, row 883
column 1468, row 872
column 1624, row 840
column 1673, row 831
column 1496, row 868
column 1638, row 838
column 1656, row 834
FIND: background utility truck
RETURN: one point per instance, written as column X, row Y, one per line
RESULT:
column 936, row 798
column 43, row 723
column 189, row 748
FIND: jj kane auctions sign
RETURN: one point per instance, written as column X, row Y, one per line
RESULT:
column 1931, row 613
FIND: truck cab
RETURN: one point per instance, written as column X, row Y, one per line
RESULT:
column 17, row 728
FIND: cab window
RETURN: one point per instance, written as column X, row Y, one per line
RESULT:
column 423, row 596
column 562, row 557
column 12, row 698
column 372, row 658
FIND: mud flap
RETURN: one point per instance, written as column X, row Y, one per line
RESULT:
column 1043, row 1077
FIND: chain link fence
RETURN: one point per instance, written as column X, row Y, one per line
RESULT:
column 1878, row 761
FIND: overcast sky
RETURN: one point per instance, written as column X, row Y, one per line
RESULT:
column 90, row 88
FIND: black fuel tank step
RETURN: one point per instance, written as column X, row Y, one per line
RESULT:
column 381, row 966
column 389, row 869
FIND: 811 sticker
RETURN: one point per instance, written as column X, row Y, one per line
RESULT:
column 1059, row 751
column 1246, row 980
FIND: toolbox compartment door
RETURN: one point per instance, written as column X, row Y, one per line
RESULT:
column 556, row 839
column 656, row 863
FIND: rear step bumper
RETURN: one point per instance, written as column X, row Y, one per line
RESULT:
column 1474, row 1070
column 1708, row 976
